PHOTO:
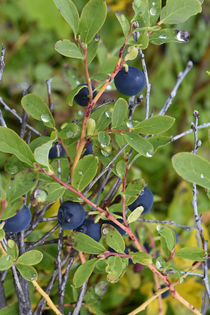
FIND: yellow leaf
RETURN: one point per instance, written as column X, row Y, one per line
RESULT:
column 53, row 210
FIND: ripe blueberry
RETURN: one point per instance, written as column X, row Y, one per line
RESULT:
column 131, row 82
column 82, row 96
column 121, row 231
column 71, row 215
column 19, row 222
column 89, row 149
column 53, row 151
column 145, row 199
column 90, row 228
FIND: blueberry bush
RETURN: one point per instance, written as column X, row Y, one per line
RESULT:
column 105, row 178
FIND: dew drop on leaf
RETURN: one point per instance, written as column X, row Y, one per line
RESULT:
column 45, row 117
column 153, row 11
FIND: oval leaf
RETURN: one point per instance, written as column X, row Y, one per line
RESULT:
column 12, row 249
column 141, row 258
column 69, row 12
column 139, row 144
column 192, row 253
column 10, row 142
column 192, row 168
column 86, row 244
column 177, row 12
column 169, row 236
column 89, row 26
column 84, row 172
column 114, row 268
column 135, row 214
column 27, row 272
column 113, row 238
column 41, row 153
column 5, row 262
column 66, row 48
column 83, row 272
column 38, row 109
column 120, row 112
column 155, row 125
column 30, row 258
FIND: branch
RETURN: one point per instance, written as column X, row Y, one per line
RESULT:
column 2, row 64
column 2, row 121
column 184, row 227
column 180, row 78
column 206, row 125
column 80, row 299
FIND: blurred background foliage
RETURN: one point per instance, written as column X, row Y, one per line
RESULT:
column 29, row 30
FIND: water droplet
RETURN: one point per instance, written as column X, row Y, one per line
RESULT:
column 7, row 258
column 45, row 117
column 69, row 134
column 105, row 153
column 153, row 11
column 162, row 36
column 77, row 82
column 202, row 176
column 183, row 36
column 108, row 115
column 109, row 87
column 12, row 169
column 33, row 277
column 105, row 231
column 101, row 288
column 80, row 173
column 80, row 112
column 129, row 124
column 158, row 264
column 148, row 154
column 153, row 3
column 40, row 195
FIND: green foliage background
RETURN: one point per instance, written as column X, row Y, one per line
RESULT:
column 29, row 30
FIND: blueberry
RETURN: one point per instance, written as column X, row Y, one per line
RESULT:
column 121, row 231
column 89, row 149
column 53, row 151
column 19, row 222
column 90, row 228
column 131, row 82
column 145, row 199
column 82, row 96
column 71, row 215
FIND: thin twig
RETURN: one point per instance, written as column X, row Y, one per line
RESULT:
column 80, row 299
column 43, row 238
column 2, row 64
column 206, row 125
column 14, row 113
column 49, row 94
column 180, row 78
column 184, row 227
column 60, row 246
column 2, row 121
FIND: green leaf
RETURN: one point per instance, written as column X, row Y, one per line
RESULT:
column 86, row 244
column 154, row 10
column 164, row 247
column 92, row 50
column 38, row 109
column 2, row 234
column 103, row 138
column 30, row 258
column 120, row 169
column 120, row 112
column 84, row 171
column 83, row 272
column 169, row 236
column 20, row 184
column 141, row 258
column 69, row 12
column 192, row 168
column 192, row 253
column 12, row 208
column 10, row 142
column 12, row 249
column 11, row 309
column 155, row 125
column 177, row 12
column 66, row 48
column 158, row 141
column 89, row 26
column 54, row 191
column 135, row 214
column 123, row 22
column 114, row 268
column 74, row 92
column 133, row 189
column 5, row 262
column 27, row 272
column 41, row 153
column 139, row 144
column 163, row 36
column 69, row 131
column 113, row 238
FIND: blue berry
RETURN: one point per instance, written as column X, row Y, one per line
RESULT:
column 82, row 96
column 90, row 228
column 145, row 199
column 71, row 215
column 19, row 222
column 89, row 149
column 53, row 152
column 131, row 82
